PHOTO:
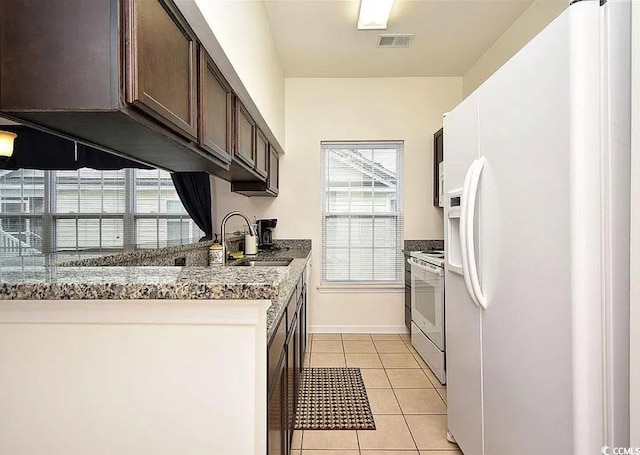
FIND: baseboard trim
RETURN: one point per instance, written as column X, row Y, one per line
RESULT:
column 358, row 329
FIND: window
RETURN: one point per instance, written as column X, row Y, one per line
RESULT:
column 362, row 212
column 90, row 211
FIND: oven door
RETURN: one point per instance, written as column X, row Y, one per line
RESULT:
column 427, row 302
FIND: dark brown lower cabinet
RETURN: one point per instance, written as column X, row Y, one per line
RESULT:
column 302, row 327
column 301, row 331
column 285, row 359
column 292, row 384
column 276, row 444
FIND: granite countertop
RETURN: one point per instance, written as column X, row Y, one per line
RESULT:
column 300, row 251
column 287, row 288
column 143, row 282
column 422, row 245
column 177, row 283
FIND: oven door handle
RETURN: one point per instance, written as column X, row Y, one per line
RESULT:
column 429, row 268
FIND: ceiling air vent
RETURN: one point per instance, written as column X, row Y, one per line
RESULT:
column 397, row 40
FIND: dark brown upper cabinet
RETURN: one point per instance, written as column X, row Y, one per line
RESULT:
column 273, row 179
column 262, row 153
column 161, row 64
column 216, row 110
column 264, row 187
column 51, row 60
column 245, row 145
column 438, row 157
column 249, row 168
column 116, row 74
column 127, row 76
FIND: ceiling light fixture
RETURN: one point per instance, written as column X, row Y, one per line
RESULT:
column 6, row 145
column 374, row 14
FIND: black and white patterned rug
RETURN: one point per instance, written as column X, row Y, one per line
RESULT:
column 333, row 399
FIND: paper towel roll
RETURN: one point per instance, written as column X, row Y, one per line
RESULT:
column 250, row 244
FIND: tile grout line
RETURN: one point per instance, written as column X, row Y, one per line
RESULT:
column 357, row 432
column 437, row 387
column 344, row 354
column 378, row 353
column 418, row 359
column 402, row 410
column 397, row 401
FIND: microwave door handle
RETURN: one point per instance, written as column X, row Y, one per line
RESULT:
column 463, row 233
column 471, row 253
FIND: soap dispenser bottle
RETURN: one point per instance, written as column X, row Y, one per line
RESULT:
column 215, row 253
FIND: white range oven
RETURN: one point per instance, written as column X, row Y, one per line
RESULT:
column 427, row 309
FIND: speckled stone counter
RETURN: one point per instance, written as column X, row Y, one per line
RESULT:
column 132, row 283
column 194, row 254
column 423, row 245
column 279, row 303
column 176, row 283
column 300, row 250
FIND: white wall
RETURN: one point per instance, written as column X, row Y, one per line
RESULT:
column 528, row 25
column 224, row 201
column 244, row 33
column 635, row 230
column 408, row 109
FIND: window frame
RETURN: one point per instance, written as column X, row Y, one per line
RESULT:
column 397, row 215
column 129, row 217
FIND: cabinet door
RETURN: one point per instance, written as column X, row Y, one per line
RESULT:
column 216, row 110
column 262, row 153
column 292, row 379
column 51, row 60
column 245, row 148
column 161, row 64
column 438, row 156
column 302, row 331
column 273, row 179
column 275, row 350
column 276, row 413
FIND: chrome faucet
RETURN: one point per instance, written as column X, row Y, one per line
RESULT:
column 222, row 228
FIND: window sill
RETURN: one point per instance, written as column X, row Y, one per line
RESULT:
column 360, row 288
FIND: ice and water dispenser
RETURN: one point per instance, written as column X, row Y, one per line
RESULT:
column 454, row 251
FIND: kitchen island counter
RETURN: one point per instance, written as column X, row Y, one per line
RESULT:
column 158, row 355
column 275, row 283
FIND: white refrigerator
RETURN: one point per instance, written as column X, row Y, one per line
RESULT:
column 537, row 244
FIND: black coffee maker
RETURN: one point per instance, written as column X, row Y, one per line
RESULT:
column 265, row 233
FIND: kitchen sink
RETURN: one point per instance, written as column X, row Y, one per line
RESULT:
column 264, row 262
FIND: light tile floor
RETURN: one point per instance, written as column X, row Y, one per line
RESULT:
column 407, row 401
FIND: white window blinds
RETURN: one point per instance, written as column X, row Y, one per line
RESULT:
column 362, row 212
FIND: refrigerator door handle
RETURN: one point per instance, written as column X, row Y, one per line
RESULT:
column 474, row 182
column 463, row 234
